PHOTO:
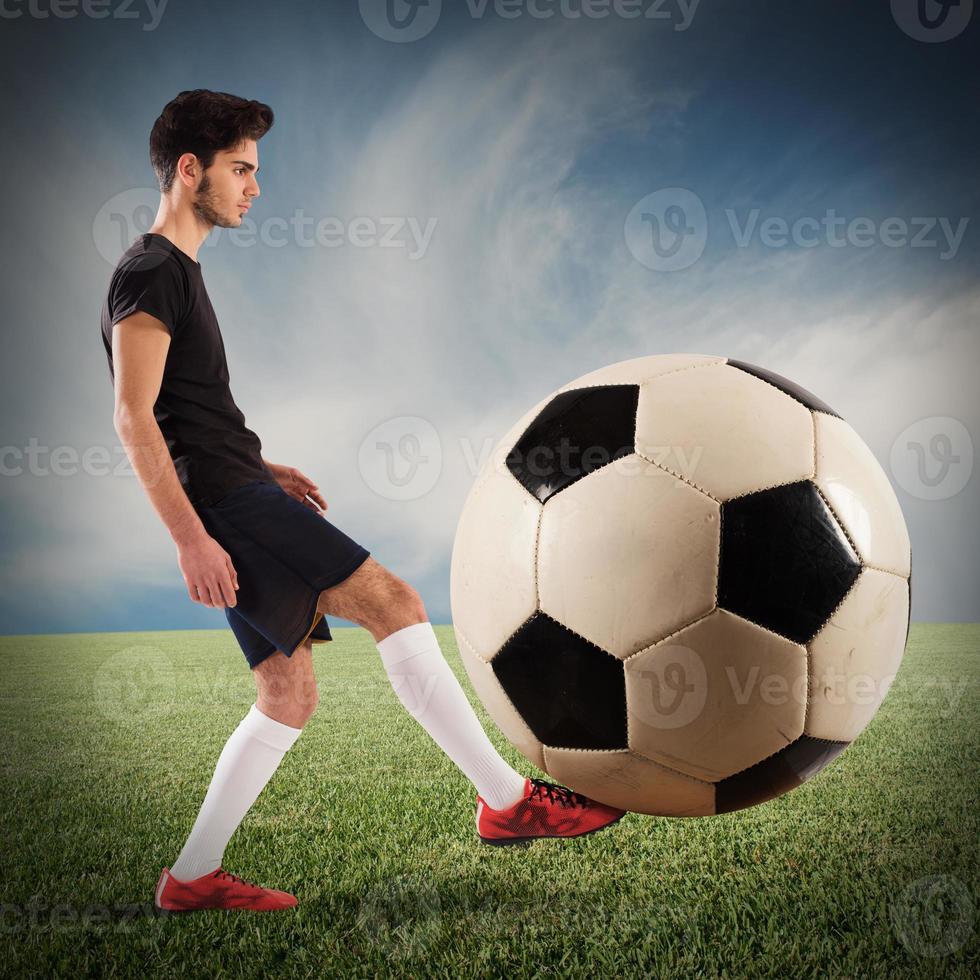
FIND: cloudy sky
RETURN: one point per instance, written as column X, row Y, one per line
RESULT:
column 472, row 171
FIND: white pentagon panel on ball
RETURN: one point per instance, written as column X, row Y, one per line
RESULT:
column 636, row 370
column 630, row 782
column 854, row 658
column 499, row 706
column 627, row 555
column 717, row 697
column 724, row 430
column 855, row 485
column 491, row 586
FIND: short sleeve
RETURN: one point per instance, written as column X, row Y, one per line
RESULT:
column 150, row 283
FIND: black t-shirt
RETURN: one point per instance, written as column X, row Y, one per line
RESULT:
column 212, row 450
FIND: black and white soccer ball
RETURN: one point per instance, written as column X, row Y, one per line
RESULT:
column 680, row 585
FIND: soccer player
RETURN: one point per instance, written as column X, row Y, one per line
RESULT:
column 251, row 536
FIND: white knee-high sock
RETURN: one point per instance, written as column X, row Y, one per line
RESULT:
column 250, row 757
column 428, row 688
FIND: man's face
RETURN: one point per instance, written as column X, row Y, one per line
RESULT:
column 228, row 186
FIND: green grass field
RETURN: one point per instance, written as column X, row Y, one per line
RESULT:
column 868, row 870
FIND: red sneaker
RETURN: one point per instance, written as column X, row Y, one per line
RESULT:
column 217, row 890
column 546, row 810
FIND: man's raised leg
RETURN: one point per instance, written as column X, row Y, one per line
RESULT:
column 510, row 808
column 393, row 613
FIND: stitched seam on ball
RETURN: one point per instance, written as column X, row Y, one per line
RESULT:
column 520, row 626
column 760, row 761
column 772, row 486
column 534, row 560
column 503, row 691
column 565, row 626
column 680, row 629
column 636, row 755
column 721, row 362
column 841, row 525
column 792, row 398
column 612, row 461
column 677, row 476
column 886, row 571
column 653, row 377
column 813, row 424
column 462, row 636
column 721, row 544
column 671, row 769
column 524, row 488
column 809, row 691
column 626, row 708
column 815, row 738
column 761, row 626
column 836, row 609
column 636, row 419
column 690, row 367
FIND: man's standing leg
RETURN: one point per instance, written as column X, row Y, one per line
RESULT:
column 286, row 698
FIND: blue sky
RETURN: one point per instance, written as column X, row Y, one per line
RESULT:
column 521, row 143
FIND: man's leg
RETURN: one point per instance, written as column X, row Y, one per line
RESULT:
column 392, row 611
column 286, row 698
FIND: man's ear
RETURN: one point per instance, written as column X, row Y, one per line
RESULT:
column 189, row 169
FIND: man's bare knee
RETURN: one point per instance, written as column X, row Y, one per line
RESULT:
column 376, row 599
column 286, row 688
column 403, row 607
column 411, row 605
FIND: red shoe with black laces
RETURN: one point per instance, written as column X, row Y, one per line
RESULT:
column 217, row 890
column 546, row 810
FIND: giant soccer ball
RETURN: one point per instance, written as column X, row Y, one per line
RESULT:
column 680, row 585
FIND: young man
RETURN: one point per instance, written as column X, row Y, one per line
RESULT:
column 251, row 536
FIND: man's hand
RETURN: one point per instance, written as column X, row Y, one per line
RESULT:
column 207, row 569
column 299, row 486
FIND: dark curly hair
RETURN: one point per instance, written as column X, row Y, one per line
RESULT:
column 202, row 122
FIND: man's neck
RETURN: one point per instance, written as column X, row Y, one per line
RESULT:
column 186, row 232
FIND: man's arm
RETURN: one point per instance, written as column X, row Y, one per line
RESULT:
column 139, row 351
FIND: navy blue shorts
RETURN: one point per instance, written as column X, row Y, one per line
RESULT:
column 285, row 555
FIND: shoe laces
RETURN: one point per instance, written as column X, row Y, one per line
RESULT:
column 220, row 873
column 541, row 789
